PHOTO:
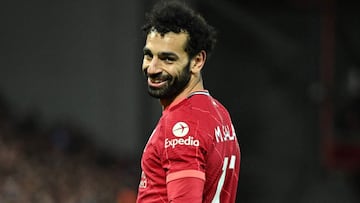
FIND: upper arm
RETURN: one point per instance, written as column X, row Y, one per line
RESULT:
column 185, row 190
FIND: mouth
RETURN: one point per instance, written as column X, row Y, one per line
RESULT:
column 156, row 82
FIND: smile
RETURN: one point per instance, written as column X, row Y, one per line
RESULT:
column 154, row 82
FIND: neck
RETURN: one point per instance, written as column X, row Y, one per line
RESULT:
column 192, row 87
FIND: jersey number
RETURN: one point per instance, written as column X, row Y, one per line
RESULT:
column 220, row 184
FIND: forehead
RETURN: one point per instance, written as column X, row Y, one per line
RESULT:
column 169, row 42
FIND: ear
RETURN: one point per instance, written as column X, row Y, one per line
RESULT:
column 197, row 62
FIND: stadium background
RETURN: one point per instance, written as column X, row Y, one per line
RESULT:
column 72, row 92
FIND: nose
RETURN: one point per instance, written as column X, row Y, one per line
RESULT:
column 153, row 66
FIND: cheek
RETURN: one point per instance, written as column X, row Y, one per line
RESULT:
column 144, row 65
column 144, row 70
column 174, row 72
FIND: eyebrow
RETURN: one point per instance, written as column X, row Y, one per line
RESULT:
column 147, row 51
column 161, row 54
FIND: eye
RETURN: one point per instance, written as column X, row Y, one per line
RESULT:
column 168, row 59
column 147, row 56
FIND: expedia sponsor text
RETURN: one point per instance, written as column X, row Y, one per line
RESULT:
column 189, row 141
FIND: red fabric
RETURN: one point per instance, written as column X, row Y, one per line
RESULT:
column 192, row 138
column 185, row 190
column 185, row 174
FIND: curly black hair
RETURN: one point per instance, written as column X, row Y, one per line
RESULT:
column 175, row 16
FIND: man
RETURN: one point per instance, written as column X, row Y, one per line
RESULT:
column 193, row 154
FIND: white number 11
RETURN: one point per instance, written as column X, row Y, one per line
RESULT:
column 220, row 184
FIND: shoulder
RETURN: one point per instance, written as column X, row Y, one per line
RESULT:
column 190, row 112
column 192, row 116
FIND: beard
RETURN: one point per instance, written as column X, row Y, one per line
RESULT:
column 173, row 86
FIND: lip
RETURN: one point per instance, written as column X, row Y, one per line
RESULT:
column 153, row 83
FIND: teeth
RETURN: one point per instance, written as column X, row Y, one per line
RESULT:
column 156, row 81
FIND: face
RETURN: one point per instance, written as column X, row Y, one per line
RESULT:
column 166, row 64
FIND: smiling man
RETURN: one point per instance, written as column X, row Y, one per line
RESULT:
column 193, row 154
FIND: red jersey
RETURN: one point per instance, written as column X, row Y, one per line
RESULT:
column 193, row 138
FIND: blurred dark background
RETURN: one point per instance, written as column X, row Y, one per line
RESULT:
column 75, row 114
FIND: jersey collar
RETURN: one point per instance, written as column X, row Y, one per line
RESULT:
column 203, row 92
